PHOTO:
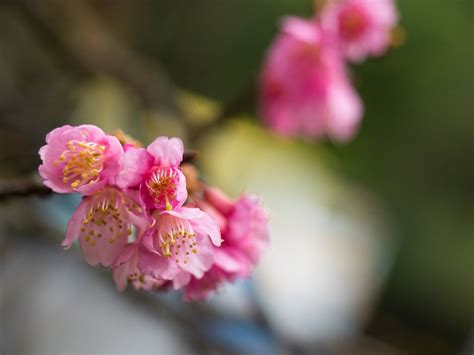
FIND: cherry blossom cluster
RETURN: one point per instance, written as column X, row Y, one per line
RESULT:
column 304, row 85
column 147, row 216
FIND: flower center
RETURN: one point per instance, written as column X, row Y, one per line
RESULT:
column 274, row 90
column 83, row 162
column 162, row 186
column 108, row 218
column 352, row 23
column 178, row 240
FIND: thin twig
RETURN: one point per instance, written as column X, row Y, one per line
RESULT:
column 28, row 186
column 32, row 185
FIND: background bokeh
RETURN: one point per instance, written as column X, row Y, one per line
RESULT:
column 373, row 241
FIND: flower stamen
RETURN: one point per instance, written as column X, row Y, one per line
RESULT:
column 162, row 186
column 174, row 240
column 83, row 162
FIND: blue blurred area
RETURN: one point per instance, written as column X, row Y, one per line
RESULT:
column 241, row 337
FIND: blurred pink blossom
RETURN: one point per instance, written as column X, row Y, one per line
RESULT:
column 305, row 89
column 244, row 228
column 361, row 27
column 128, row 271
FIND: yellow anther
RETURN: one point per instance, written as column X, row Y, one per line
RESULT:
column 166, row 250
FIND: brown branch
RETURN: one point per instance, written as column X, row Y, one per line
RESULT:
column 28, row 186
column 189, row 156
column 32, row 185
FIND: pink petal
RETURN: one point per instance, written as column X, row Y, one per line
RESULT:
column 301, row 29
column 228, row 262
column 346, row 112
column 201, row 221
column 157, row 265
column 218, row 199
column 134, row 164
column 120, row 276
column 91, row 178
column 94, row 133
column 107, row 248
column 57, row 132
column 92, row 187
column 181, row 190
column 113, row 154
column 206, row 225
column 181, row 280
column 213, row 212
column 195, row 263
column 103, row 223
column 167, row 151
column 75, row 223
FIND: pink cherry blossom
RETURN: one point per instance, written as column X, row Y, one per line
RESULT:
column 181, row 245
column 104, row 222
column 155, row 172
column 128, row 271
column 79, row 159
column 244, row 227
column 305, row 90
column 200, row 289
column 362, row 27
